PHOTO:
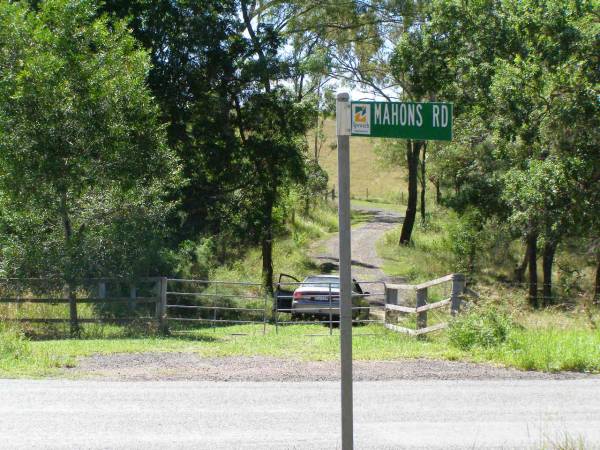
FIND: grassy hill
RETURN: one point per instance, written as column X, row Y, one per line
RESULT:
column 367, row 172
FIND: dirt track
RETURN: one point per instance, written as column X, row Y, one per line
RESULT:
column 366, row 264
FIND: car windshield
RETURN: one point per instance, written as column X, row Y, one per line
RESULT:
column 322, row 282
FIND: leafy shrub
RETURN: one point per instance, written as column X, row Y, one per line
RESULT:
column 195, row 259
column 13, row 344
column 482, row 327
column 467, row 239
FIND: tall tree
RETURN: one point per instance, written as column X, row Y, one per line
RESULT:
column 355, row 39
column 523, row 84
column 272, row 123
column 547, row 121
column 194, row 76
column 83, row 158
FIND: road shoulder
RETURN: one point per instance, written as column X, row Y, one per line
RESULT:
column 154, row 366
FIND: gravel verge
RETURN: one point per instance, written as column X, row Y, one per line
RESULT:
column 189, row 366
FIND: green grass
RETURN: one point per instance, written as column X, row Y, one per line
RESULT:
column 548, row 350
column 562, row 441
column 378, row 204
column 427, row 257
column 543, row 341
column 302, row 342
column 542, row 347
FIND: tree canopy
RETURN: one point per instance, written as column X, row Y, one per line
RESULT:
column 84, row 164
column 177, row 123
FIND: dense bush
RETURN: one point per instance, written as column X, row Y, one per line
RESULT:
column 480, row 327
column 86, row 176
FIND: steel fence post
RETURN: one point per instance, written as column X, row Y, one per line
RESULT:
column 330, row 313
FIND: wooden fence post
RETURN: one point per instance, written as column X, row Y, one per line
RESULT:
column 73, row 319
column 132, row 296
column 421, row 301
column 157, row 289
column 102, row 289
column 458, row 286
column 391, row 296
column 161, row 306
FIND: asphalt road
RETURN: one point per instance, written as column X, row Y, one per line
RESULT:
column 529, row 414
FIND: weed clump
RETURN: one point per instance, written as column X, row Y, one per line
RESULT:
column 480, row 328
column 13, row 344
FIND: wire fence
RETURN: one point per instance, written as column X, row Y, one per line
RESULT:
column 188, row 304
column 46, row 301
column 549, row 295
column 205, row 303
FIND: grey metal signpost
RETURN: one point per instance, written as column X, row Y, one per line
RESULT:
column 343, row 137
column 404, row 120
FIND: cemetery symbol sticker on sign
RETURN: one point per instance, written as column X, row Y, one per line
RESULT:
column 402, row 120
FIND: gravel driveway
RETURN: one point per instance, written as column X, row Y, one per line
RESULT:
column 189, row 366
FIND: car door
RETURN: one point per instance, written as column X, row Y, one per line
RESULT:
column 286, row 285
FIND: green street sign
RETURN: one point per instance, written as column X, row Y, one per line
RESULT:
column 402, row 120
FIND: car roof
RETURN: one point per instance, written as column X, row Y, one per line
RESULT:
column 322, row 276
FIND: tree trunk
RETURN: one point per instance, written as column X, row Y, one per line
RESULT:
column 533, row 281
column 423, row 182
column 316, row 143
column 257, row 46
column 267, row 264
column 267, row 245
column 548, row 260
column 68, row 231
column 438, row 192
column 597, row 287
column 412, row 158
column 317, row 126
column 520, row 269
